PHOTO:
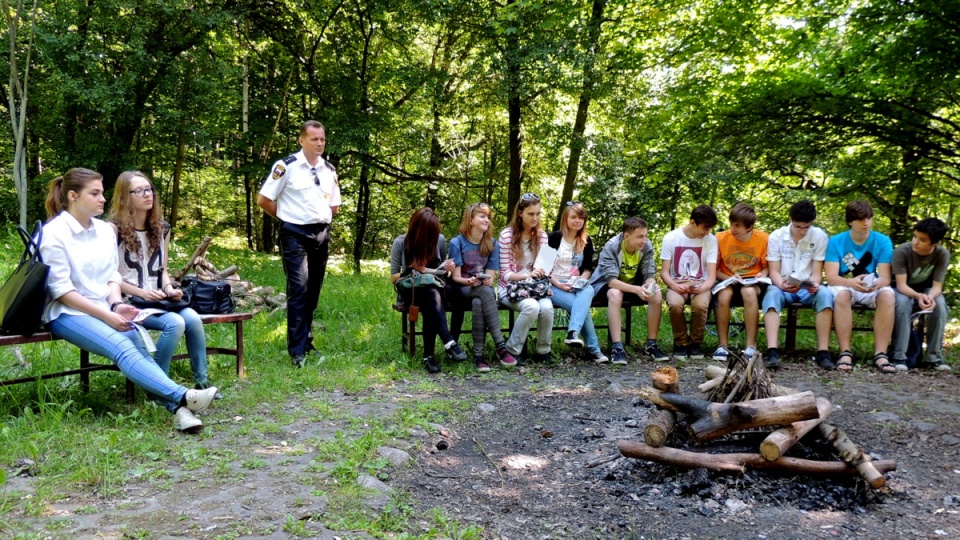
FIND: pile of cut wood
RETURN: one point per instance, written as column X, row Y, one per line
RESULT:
column 738, row 398
column 247, row 296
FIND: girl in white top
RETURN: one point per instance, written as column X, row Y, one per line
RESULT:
column 519, row 245
column 144, row 244
column 83, row 293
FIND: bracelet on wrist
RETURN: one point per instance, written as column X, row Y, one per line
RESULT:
column 113, row 306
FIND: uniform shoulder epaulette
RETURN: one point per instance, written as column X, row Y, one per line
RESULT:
column 290, row 159
column 336, row 179
column 330, row 166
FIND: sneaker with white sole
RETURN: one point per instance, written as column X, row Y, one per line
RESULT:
column 653, row 349
column 185, row 421
column 696, row 352
column 900, row 365
column 749, row 352
column 721, row 354
column 599, row 357
column 618, row 356
column 573, row 339
column 199, row 400
column 938, row 365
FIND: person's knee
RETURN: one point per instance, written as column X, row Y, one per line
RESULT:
column 529, row 307
column 843, row 299
column 614, row 298
column 885, row 299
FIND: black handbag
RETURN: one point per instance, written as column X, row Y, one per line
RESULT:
column 165, row 303
column 207, row 297
column 24, row 294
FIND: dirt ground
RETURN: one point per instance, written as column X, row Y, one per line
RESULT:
column 523, row 465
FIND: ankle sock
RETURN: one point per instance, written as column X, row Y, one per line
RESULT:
column 617, row 345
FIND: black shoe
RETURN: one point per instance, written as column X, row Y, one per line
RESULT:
column 696, row 352
column 653, row 349
column 218, row 395
column 455, row 353
column 298, row 360
column 618, row 356
column 433, row 366
column 542, row 358
column 573, row 339
column 824, row 361
column 773, row 359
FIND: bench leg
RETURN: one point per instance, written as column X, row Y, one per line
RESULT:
column 791, row 341
column 131, row 391
column 84, row 376
column 241, row 370
column 628, row 321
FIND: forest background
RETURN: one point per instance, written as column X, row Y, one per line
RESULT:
column 633, row 107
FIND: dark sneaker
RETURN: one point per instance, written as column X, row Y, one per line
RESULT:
column 454, row 352
column 573, row 339
column 430, row 361
column 721, row 354
column 481, row 365
column 654, row 351
column 696, row 353
column 204, row 386
column 773, row 359
column 298, row 360
column 938, row 365
column 599, row 357
column 618, row 356
column 824, row 360
column 681, row 352
column 506, row 358
column 542, row 358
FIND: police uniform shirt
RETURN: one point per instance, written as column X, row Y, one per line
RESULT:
column 301, row 197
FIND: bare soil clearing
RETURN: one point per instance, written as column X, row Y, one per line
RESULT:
column 536, row 458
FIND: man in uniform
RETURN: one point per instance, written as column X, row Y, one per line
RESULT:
column 302, row 191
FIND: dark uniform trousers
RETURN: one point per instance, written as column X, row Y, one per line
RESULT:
column 304, row 249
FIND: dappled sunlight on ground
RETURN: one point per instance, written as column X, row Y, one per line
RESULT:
column 525, row 462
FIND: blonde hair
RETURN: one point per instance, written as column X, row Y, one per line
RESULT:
column 580, row 242
column 486, row 241
column 122, row 215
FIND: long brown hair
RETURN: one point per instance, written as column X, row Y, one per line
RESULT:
column 516, row 226
column 74, row 180
column 580, row 241
column 122, row 215
column 420, row 245
column 486, row 241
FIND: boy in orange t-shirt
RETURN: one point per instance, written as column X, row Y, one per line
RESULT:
column 743, row 254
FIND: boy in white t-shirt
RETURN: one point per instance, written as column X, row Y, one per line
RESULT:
column 689, row 270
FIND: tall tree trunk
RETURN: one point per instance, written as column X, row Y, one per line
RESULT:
column 362, row 215
column 177, row 175
column 901, row 224
column 363, row 189
column 245, row 155
column 577, row 140
column 514, row 101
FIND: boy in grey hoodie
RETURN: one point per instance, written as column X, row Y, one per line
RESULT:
column 627, row 269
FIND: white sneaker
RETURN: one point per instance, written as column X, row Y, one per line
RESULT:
column 199, row 400
column 721, row 354
column 900, row 366
column 185, row 421
column 749, row 352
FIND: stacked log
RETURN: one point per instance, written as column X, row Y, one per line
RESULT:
column 247, row 296
column 742, row 397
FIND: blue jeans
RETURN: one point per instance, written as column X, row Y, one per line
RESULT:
column 577, row 304
column 775, row 299
column 125, row 349
column 172, row 327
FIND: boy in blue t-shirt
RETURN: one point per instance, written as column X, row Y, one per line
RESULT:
column 858, row 272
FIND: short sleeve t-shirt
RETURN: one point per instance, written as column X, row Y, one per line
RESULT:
column 630, row 266
column 921, row 271
column 859, row 259
column 797, row 258
column 466, row 255
column 568, row 261
column 745, row 259
column 688, row 257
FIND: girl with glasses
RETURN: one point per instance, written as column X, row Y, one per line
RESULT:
column 474, row 253
column 569, row 276
column 83, row 293
column 519, row 246
column 143, row 247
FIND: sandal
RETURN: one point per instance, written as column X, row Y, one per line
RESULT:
column 845, row 362
column 882, row 362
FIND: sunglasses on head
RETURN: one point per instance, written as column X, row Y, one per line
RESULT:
column 530, row 197
column 571, row 203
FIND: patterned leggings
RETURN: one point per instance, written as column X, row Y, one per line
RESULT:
column 486, row 317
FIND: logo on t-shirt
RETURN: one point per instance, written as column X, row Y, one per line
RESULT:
column 686, row 262
column 858, row 267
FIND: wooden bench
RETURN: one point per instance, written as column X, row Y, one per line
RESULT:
column 793, row 309
column 87, row 367
column 409, row 331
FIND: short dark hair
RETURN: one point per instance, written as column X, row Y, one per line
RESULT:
column 633, row 223
column 932, row 227
column 311, row 124
column 803, row 212
column 743, row 214
column 704, row 215
column 858, row 209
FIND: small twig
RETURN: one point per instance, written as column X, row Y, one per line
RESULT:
column 435, row 475
column 579, row 417
column 484, row 452
column 602, row 460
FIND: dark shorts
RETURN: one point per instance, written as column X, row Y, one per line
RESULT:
column 629, row 297
column 737, row 299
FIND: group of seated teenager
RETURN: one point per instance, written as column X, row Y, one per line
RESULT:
column 94, row 263
column 741, row 266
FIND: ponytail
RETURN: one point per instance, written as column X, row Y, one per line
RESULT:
column 56, row 200
column 74, row 180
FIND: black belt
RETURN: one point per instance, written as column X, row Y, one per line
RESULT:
column 309, row 227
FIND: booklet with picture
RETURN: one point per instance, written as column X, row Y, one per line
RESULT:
column 734, row 281
column 791, row 281
column 577, row 282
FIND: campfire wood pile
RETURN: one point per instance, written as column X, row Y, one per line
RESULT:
column 738, row 398
column 247, row 296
